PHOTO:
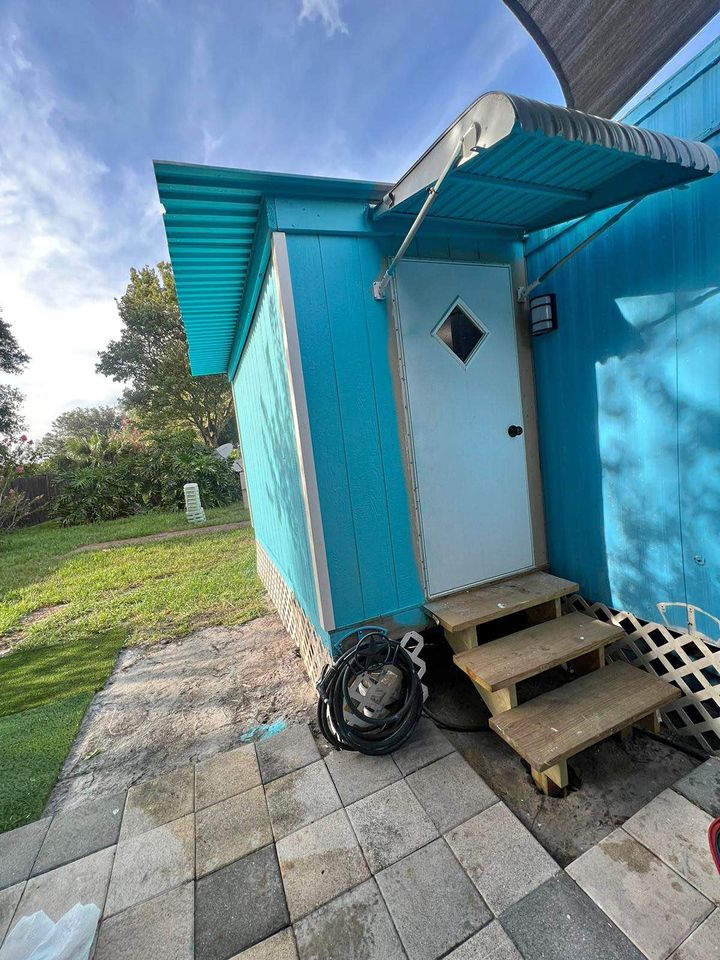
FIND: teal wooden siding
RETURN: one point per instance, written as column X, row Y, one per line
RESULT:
column 262, row 399
column 629, row 386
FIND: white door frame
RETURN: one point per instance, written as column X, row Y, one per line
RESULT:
column 529, row 421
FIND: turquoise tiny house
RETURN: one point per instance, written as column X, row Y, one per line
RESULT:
column 406, row 448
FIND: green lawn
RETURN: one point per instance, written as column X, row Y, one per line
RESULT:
column 110, row 598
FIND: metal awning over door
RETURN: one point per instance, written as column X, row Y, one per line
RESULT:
column 525, row 164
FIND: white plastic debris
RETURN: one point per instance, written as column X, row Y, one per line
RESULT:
column 193, row 508
column 37, row 938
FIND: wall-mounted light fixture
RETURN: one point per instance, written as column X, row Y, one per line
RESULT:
column 543, row 314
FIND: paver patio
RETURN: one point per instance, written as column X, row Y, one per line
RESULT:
column 272, row 852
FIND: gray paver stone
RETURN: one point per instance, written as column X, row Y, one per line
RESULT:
column 426, row 744
column 648, row 901
column 161, row 929
column 702, row 786
column 354, row 926
column 356, row 775
column 151, row 863
column 225, row 775
column 231, row 829
column 81, row 830
column 289, row 750
column 502, row 857
column 557, row 921
column 238, row 906
column 281, row 946
column 490, row 943
column 432, row 901
column 158, row 801
column 55, row 892
column 703, row 943
column 9, row 899
column 320, row 862
column 18, row 851
column 390, row 824
column 300, row 798
column 450, row 791
column 676, row 831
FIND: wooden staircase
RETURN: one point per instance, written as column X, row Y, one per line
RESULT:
column 551, row 728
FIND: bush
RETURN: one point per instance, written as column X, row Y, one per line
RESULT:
column 147, row 474
column 16, row 456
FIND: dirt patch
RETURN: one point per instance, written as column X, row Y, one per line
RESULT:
column 171, row 704
column 167, row 535
column 11, row 640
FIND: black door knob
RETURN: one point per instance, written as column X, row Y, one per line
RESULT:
column 514, row 430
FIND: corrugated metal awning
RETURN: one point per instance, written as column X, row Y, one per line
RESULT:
column 604, row 51
column 531, row 165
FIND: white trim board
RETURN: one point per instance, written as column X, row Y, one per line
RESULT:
column 303, row 440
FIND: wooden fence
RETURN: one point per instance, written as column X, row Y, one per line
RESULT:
column 37, row 485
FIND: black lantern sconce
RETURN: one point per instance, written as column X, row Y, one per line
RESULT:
column 543, row 314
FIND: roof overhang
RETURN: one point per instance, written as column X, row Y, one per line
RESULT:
column 530, row 165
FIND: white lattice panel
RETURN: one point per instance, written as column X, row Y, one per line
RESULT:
column 683, row 659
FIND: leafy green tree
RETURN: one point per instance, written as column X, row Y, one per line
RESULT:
column 12, row 360
column 151, row 356
column 80, row 424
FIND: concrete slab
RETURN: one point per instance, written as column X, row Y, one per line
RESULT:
column 55, row 892
column 390, row 824
column 18, row 851
column 225, row 775
column 158, row 801
column 703, row 943
column 502, row 857
column 161, row 928
column 450, row 791
column 300, row 798
column 676, row 831
column 230, row 830
column 355, row 926
column 151, row 863
column 80, row 831
column 635, row 889
column 319, row 862
column 432, row 901
column 490, row 943
column 238, row 906
column 426, row 744
column 9, row 899
column 557, row 921
column 356, row 775
column 702, row 786
column 289, row 750
column 281, row 946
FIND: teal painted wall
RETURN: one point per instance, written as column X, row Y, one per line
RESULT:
column 267, row 435
column 345, row 341
column 629, row 386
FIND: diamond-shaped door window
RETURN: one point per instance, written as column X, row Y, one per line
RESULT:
column 461, row 331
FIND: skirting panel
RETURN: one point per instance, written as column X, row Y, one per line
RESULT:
column 683, row 659
column 312, row 650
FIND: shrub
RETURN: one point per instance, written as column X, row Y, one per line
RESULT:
column 16, row 456
column 139, row 475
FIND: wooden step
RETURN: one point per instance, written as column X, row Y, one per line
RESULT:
column 550, row 729
column 499, row 599
column 504, row 662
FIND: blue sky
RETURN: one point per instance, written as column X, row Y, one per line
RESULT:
column 92, row 90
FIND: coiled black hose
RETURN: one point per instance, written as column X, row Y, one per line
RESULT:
column 345, row 726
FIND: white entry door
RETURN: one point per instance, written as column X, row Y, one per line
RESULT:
column 462, row 386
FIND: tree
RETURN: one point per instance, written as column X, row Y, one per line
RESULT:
column 79, row 424
column 12, row 360
column 151, row 356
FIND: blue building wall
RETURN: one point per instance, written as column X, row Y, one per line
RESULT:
column 262, row 400
column 629, row 386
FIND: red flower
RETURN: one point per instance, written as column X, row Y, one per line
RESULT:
column 23, row 438
column 19, row 469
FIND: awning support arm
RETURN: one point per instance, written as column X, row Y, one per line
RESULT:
column 523, row 293
column 379, row 286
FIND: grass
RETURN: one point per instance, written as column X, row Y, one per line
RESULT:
column 129, row 595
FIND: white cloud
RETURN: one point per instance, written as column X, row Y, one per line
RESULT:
column 328, row 11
